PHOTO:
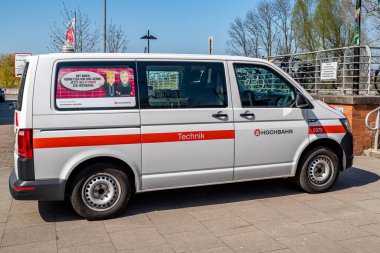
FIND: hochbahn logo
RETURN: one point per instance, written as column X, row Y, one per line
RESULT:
column 259, row 132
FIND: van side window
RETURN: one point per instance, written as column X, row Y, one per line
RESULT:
column 182, row 85
column 95, row 85
column 22, row 87
column 260, row 86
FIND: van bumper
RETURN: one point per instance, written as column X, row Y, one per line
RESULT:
column 46, row 190
column 347, row 145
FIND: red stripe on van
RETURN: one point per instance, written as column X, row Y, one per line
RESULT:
column 78, row 141
column 327, row 129
column 188, row 136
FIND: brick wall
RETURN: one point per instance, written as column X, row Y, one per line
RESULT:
column 363, row 137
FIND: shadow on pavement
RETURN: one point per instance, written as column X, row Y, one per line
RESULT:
column 212, row 195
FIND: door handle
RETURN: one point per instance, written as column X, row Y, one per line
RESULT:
column 220, row 115
column 249, row 115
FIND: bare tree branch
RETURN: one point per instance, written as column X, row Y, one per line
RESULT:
column 283, row 10
column 238, row 43
column 267, row 28
column 371, row 22
column 116, row 39
column 252, row 26
column 87, row 38
column 284, row 27
column 254, row 35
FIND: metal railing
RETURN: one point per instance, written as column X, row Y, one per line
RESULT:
column 376, row 128
column 306, row 69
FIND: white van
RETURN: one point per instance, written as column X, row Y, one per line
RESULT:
column 97, row 128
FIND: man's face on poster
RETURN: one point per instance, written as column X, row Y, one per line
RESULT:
column 111, row 79
column 124, row 77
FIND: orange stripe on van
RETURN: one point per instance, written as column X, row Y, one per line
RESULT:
column 78, row 141
column 188, row 136
column 327, row 129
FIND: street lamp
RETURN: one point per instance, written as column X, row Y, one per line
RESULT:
column 105, row 27
column 357, row 42
column 148, row 37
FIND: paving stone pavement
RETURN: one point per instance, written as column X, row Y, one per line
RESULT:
column 260, row 216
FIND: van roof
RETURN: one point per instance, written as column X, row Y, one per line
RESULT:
column 146, row 56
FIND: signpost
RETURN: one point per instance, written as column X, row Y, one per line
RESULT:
column 19, row 65
column 329, row 71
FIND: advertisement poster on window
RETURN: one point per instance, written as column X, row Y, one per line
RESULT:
column 95, row 88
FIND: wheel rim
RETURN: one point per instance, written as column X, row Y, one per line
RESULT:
column 101, row 192
column 320, row 170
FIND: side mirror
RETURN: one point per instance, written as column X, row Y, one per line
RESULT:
column 301, row 101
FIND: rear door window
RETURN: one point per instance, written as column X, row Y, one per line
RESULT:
column 182, row 85
column 92, row 85
column 22, row 87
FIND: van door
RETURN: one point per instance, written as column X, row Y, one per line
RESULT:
column 186, row 123
column 269, row 129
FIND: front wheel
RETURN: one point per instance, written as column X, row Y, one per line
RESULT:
column 100, row 191
column 318, row 171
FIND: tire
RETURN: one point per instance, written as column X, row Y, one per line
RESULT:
column 318, row 170
column 100, row 191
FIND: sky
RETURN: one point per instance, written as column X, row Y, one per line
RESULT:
column 181, row 26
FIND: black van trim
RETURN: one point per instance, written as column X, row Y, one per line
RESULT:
column 25, row 168
column 348, row 149
column 46, row 190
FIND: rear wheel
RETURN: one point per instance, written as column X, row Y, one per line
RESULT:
column 318, row 171
column 100, row 191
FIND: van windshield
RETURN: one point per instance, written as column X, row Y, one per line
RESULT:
column 21, row 89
